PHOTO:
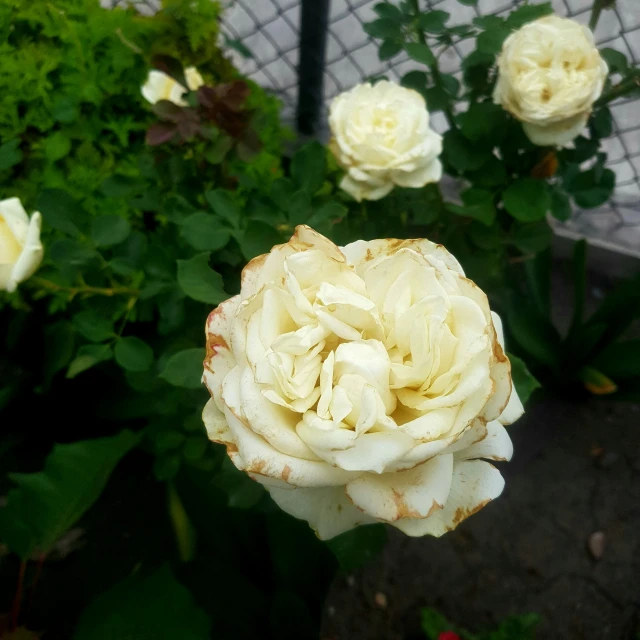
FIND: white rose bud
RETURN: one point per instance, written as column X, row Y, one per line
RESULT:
column 381, row 138
column 20, row 247
column 549, row 75
column 160, row 86
column 362, row 384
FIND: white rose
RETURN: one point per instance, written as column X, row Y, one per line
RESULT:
column 549, row 75
column 160, row 86
column 362, row 384
column 20, row 247
column 381, row 138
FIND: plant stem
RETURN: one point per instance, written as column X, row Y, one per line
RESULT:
column 85, row 289
column 36, row 579
column 17, row 600
column 625, row 86
column 434, row 68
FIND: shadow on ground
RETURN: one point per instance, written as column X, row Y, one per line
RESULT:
column 576, row 471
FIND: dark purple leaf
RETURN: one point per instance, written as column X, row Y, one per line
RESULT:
column 167, row 110
column 159, row 133
column 171, row 67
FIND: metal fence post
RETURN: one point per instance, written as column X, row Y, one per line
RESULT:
column 314, row 25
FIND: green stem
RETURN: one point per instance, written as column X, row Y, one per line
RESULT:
column 85, row 289
column 434, row 68
column 17, row 600
column 625, row 86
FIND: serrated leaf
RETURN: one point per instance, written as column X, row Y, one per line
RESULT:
column 199, row 281
column 89, row 355
column 527, row 199
column 532, row 237
column 483, row 120
column 601, row 123
column 420, row 53
column 590, row 190
column 61, row 211
column 389, row 11
column 185, row 368
column 109, row 230
column 416, row 80
column 616, row 60
column 223, row 203
column 204, row 232
column 118, row 186
column 528, row 13
column 383, row 28
column 133, row 354
column 308, row 167
column 490, row 41
column 560, row 205
column 46, row 504
column 157, row 607
column 463, row 154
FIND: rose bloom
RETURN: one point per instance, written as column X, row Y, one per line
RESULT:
column 160, row 86
column 362, row 384
column 20, row 247
column 381, row 138
column 549, row 75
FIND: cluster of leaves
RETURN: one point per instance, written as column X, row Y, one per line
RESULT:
column 595, row 353
column 437, row 627
column 508, row 186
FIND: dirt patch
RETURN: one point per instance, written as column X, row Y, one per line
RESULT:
column 576, row 471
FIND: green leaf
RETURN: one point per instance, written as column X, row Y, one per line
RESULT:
column 416, row 80
column 420, row 53
column 463, row 154
column 109, row 230
column 70, row 253
column 204, row 232
column 478, row 204
column 616, row 60
column 433, row 623
column 46, row 504
column 168, row 440
column 601, row 123
column 450, row 83
column 237, row 45
column 493, row 173
column 199, row 281
column 93, row 325
column 356, row 547
column 483, row 120
column 533, row 332
column 596, row 382
column 56, row 146
column 527, row 199
column 620, row 360
column 528, row 13
column 469, row 3
column 61, row 211
column 590, row 190
column 389, row 11
column 308, row 167
column 224, row 205
column 532, row 237
column 65, row 110
column 89, row 355
column 560, row 204
column 10, row 154
column 490, row 41
column 437, row 98
column 157, row 607
column 184, row 369
column 195, row 447
column 389, row 48
column 133, row 354
column 328, row 212
column 218, row 150
column 383, row 28
column 259, row 238
column 117, row 186
column 538, row 276
column 433, row 21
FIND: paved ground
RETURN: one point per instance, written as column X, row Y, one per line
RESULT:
column 576, row 471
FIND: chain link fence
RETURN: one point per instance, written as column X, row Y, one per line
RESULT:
column 271, row 31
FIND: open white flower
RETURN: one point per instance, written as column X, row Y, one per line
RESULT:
column 381, row 138
column 362, row 384
column 549, row 75
column 160, row 86
column 20, row 247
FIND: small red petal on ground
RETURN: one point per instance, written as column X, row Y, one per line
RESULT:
column 449, row 635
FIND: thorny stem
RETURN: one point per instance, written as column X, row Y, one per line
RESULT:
column 17, row 600
column 435, row 70
column 85, row 289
